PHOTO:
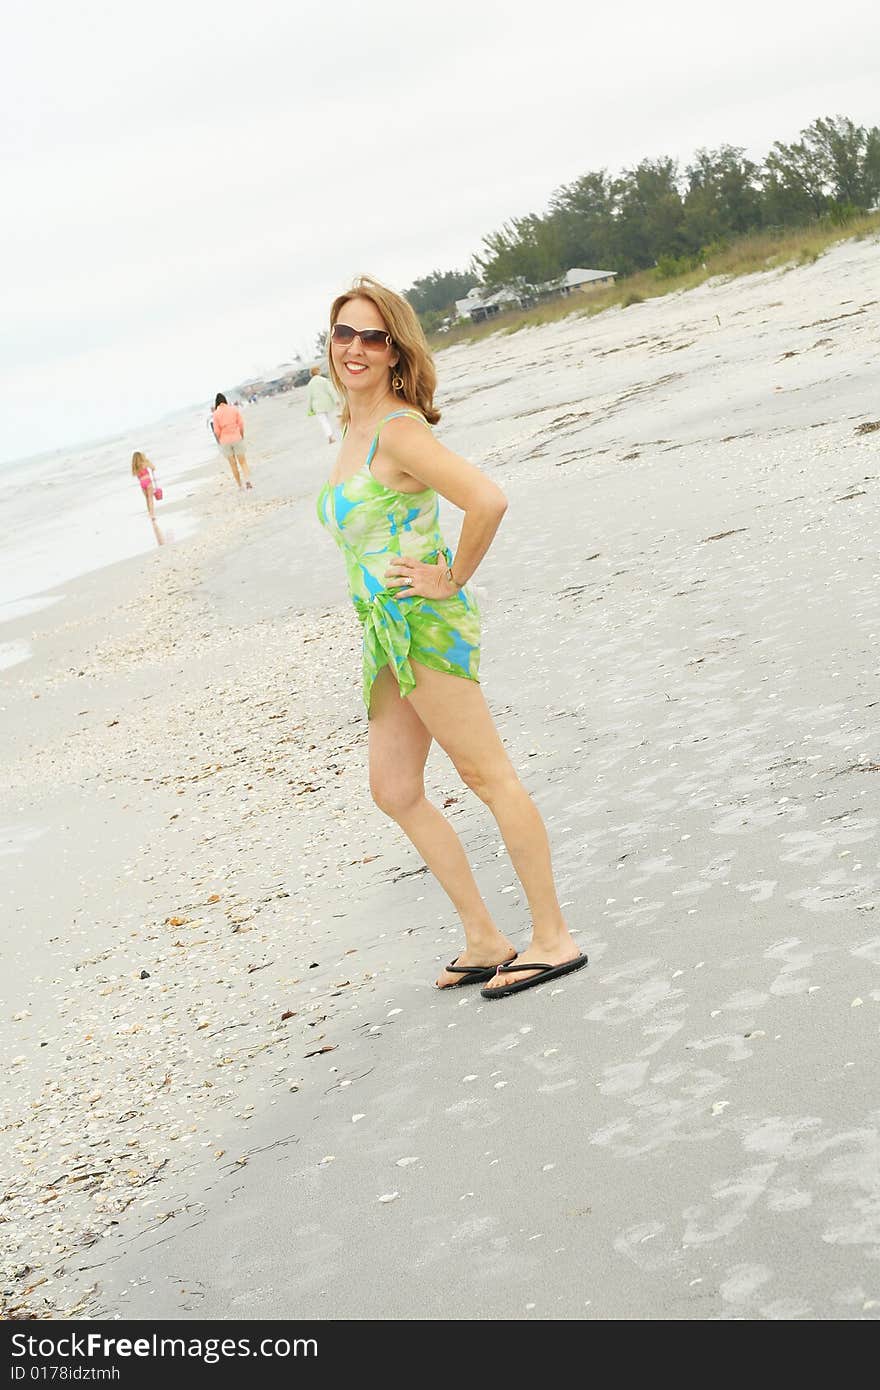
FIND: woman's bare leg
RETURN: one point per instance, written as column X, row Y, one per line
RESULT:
column 243, row 467
column 151, row 513
column 455, row 713
column 399, row 744
column 233, row 464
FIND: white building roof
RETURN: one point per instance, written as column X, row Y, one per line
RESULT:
column 472, row 300
column 574, row 277
column 479, row 298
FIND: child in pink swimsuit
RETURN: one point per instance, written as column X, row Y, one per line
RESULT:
column 144, row 471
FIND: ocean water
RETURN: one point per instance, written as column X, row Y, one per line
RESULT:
column 70, row 512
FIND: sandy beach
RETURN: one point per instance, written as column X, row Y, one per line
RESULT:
column 232, row 1091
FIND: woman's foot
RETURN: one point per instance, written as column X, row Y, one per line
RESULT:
column 559, row 953
column 497, row 953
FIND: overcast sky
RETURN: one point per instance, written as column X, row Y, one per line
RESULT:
column 188, row 183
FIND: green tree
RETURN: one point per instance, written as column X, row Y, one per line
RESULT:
column 583, row 213
column 527, row 250
column 872, row 168
column 847, row 156
column 723, row 196
column 834, row 167
column 497, row 256
column 436, row 293
column 795, row 183
column 650, row 221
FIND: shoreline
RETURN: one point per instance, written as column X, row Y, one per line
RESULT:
column 695, row 722
column 36, row 613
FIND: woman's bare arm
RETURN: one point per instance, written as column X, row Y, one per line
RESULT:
column 416, row 453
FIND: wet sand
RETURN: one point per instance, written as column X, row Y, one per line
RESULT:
column 282, row 1118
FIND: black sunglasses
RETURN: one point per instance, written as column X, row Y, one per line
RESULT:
column 372, row 339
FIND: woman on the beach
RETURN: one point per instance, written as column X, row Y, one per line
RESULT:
column 422, row 629
column 228, row 428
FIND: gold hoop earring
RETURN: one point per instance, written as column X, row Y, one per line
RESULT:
column 397, row 382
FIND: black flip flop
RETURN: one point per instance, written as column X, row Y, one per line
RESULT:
column 473, row 974
column 545, row 972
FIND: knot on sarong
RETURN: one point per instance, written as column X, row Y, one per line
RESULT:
column 387, row 636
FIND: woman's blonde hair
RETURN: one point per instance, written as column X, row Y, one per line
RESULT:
column 414, row 365
column 139, row 462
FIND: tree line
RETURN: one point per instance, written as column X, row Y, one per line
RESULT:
column 658, row 214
